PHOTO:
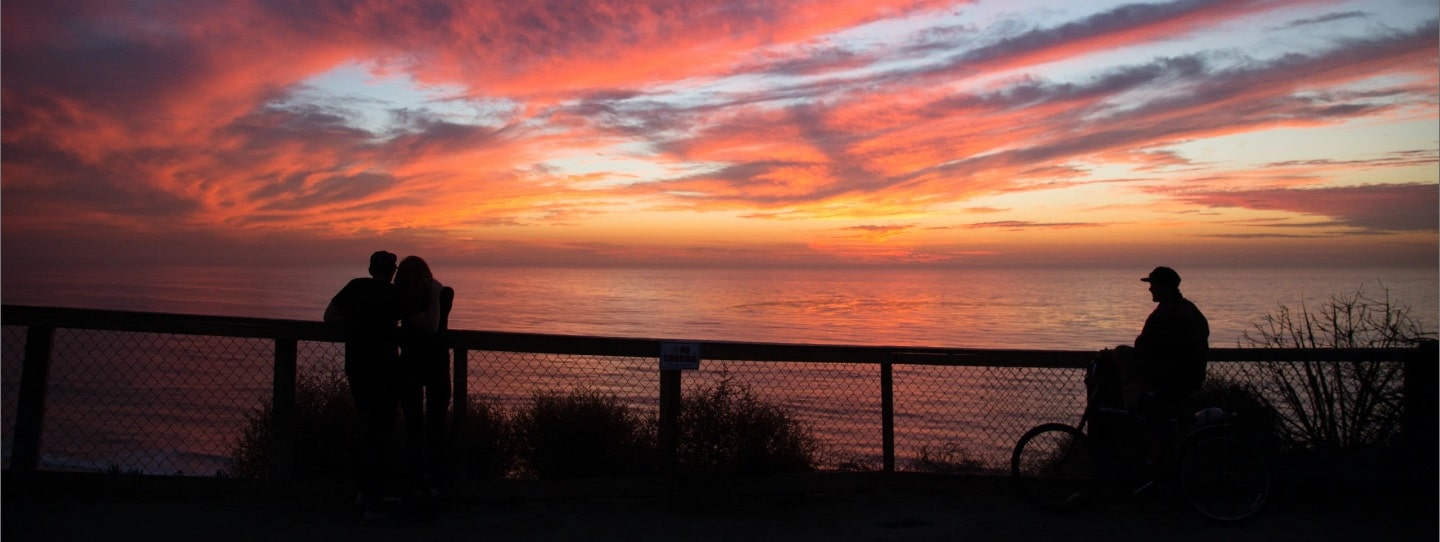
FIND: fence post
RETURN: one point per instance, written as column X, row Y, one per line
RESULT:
column 887, row 415
column 282, row 409
column 1421, row 407
column 460, row 401
column 30, row 412
column 669, row 419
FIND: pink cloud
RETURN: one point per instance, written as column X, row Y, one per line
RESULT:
column 1391, row 207
column 190, row 117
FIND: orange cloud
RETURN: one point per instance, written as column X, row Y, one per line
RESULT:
column 560, row 116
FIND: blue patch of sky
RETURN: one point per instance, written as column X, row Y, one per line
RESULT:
column 373, row 102
column 620, row 165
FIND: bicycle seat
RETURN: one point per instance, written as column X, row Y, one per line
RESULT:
column 1212, row 416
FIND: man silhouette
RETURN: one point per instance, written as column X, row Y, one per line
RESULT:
column 1155, row 377
column 368, row 309
column 1168, row 360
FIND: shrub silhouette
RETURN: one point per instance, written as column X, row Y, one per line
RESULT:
column 726, row 429
column 1256, row 421
column 486, row 447
column 327, row 431
column 1333, row 405
column 326, row 428
column 948, row 459
column 582, row 433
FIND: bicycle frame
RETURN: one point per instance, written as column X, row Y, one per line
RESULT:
column 1198, row 459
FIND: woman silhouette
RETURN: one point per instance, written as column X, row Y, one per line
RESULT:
column 425, row 363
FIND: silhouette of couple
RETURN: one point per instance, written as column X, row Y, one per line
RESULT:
column 389, row 365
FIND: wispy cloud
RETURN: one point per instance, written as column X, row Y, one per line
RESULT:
column 839, row 126
column 1017, row 225
column 1376, row 208
column 1322, row 19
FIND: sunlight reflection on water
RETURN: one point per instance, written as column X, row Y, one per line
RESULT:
column 1043, row 309
column 1078, row 309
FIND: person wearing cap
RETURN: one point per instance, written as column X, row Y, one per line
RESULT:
column 368, row 309
column 1156, row 377
column 1169, row 356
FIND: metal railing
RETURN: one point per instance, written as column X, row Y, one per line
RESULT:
column 168, row 393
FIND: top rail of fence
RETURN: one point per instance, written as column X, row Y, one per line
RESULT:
column 271, row 328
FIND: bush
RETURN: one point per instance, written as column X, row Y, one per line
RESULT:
column 327, row 433
column 1331, row 405
column 487, row 447
column 726, row 429
column 583, row 433
column 948, row 459
column 326, row 428
column 1256, row 421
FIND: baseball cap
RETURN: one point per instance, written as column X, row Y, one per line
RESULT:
column 1163, row 275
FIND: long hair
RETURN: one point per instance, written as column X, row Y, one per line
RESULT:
column 413, row 276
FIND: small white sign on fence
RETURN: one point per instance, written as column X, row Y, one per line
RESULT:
column 680, row 356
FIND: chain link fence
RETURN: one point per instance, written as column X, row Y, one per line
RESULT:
column 12, row 351
column 152, row 403
column 178, row 404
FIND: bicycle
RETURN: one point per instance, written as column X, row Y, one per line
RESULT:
column 1058, row 467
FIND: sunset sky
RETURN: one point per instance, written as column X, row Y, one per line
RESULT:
column 752, row 132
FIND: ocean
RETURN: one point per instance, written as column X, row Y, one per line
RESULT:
column 1059, row 309
column 162, row 412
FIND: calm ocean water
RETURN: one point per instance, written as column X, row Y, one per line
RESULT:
column 969, row 308
column 116, row 401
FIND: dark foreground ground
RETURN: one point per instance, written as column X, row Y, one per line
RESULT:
column 875, row 508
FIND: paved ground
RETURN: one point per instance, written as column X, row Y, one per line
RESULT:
column 888, row 513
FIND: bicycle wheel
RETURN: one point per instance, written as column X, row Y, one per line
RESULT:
column 1053, row 467
column 1223, row 478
